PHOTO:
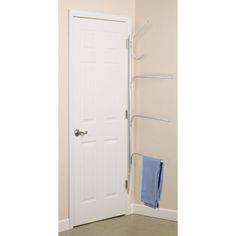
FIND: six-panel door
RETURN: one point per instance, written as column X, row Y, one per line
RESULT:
column 98, row 100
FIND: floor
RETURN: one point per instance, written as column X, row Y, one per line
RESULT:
column 132, row 225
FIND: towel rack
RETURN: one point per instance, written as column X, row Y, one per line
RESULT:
column 141, row 155
column 149, row 117
column 152, row 76
column 131, row 79
column 133, row 36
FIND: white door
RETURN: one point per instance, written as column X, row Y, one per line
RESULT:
column 98, row 101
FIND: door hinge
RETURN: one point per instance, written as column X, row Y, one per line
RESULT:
column 126, row 114
column 127, row 43
column 126, row 184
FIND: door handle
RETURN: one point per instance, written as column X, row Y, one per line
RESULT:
column 78, row 132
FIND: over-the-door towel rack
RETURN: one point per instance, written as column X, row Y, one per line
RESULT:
column 151, row 76
column 131, row 78
column 141, row 155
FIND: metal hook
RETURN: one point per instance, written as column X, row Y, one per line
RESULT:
column 141, row 28
column 133, row 55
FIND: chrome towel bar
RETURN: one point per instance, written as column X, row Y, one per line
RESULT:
column 142, row 155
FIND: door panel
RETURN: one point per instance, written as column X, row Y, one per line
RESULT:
column 98, row 100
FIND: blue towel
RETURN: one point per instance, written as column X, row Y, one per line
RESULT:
column 152, row 181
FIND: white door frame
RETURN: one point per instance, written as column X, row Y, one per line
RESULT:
column 100, row 16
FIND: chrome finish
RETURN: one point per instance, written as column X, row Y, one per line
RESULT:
column 141, row 155
column 129, row 160
column 152, row 76
column 131, row 55
column 140, row 29
column 78, row 132
column 149, row 117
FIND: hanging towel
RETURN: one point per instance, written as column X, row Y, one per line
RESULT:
column 152, row 180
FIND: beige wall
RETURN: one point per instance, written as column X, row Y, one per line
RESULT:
column 116, row 7
column 158, row 98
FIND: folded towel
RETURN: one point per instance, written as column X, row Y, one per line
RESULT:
column 152, row 181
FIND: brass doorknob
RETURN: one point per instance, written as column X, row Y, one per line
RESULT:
column 78, row 132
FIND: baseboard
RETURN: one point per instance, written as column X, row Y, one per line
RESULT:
column 64, row 225
column 138, row 209
column 161, row 213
